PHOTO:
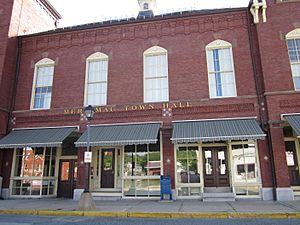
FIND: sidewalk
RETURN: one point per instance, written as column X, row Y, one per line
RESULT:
column 154, row 208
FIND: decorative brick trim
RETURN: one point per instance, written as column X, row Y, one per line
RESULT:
column 117, row 33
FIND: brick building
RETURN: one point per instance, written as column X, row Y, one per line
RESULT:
column 193, row 95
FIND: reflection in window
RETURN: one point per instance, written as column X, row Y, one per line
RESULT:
column 290, row 153
column 187, row 165
column 142, row 168
column 244, row 159
column 187, row 170
column 34, row 171
column 245, row 166
column 65, row 171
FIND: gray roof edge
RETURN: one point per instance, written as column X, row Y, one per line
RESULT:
column 37, row 128
column 215, row 119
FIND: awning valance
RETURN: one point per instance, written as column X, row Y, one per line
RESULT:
column 216, row 130
column 120, row 134
column 294, row 121
column 36, row 137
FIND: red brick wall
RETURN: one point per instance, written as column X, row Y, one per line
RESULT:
column 5, row 15
column 184, row 40
column 281, row 169
column 81, row 171
column 279, row 88
column 29, row 17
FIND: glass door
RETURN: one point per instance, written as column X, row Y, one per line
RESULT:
column 215, row 167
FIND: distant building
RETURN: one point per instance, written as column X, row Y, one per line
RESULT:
column 208, row 97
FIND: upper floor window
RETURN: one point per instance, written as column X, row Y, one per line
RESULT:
column 96, row 79
column 42, row 84
column 156, row 87
column 293, row 44
column 220, row 69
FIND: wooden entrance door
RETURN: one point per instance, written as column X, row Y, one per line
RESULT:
column 215, row 167
column 67, row 178
column 108, row 168
column 292, row 162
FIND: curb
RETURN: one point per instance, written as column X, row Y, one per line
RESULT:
column 170, row 215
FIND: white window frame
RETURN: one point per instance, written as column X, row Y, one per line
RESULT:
column 38, row 178
column 237, row 184
column 45, row 62
column 155, row 51
column 294, row 34
column 98, row 56
column 220, row 44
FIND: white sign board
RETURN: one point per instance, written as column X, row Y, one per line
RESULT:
column 87, row 157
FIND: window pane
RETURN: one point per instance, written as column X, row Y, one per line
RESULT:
column 194, row 176
column 297, row 83
column 156, row 78
column 25, row 187
column 221, row 76
column 129, row 187
column 208, row 162
column 129, row 162
column 65, row 169
column 244, row 159
column 225, row 59
column 141, row 164
column 154, row 187
column 36, row 187
column 43, row 87
column 182, row 171
column 142, row 187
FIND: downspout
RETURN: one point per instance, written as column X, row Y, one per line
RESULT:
column 263, row 113
column 16, row 78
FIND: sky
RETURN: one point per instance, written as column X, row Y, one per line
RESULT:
column 75, row 12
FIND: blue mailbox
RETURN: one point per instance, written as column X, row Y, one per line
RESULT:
column 165, row 187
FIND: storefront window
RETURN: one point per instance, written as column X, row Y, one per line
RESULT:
column 142, row 168
column 188, row 171
column 34, row 171
column 245, row 169
column 187, row 165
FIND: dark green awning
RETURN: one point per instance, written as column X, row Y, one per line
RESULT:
column 120, row 134
column 216, row 130
column 294, row 121
column 42, row 137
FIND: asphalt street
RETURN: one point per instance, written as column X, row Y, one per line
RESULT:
column 50, row 220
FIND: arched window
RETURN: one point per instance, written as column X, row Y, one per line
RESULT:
column 156, row 87
column 42, row 84
column 293, row 45
column 96, row 79
column 220, row 69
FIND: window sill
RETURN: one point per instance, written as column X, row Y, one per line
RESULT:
column 222, row 97
column 33, row 109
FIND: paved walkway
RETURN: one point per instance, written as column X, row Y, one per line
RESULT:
column 154, row 208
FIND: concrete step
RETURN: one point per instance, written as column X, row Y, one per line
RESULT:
column 217, row 189
column 218, row 199
column 218, row 196
column 106, row 194
column 106, row 198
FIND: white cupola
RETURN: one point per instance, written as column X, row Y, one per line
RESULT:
column 146, row 8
